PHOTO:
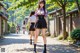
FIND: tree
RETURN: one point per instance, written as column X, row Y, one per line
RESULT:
column 62, row 4
column 50, row 4
column 78, row 5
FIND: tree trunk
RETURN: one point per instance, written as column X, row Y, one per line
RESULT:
column 79, row 13
column 78, row 10
column 70, row 22
column 64, row 22
column 70, row 25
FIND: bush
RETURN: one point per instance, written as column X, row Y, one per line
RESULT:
column 8, row 28
column 60, row 37
column 13, row 28
column 75, row 34
column 69, row 38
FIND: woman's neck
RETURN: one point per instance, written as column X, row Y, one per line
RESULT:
column 41, row 7
column 32, row 15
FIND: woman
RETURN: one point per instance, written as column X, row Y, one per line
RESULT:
column 24, row 27
column 41, row 23
column 32, row 20
column 18, row 29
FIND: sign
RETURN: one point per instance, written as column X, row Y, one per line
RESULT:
column 2, row 50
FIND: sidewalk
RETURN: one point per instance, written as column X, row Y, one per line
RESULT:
column 19, row 43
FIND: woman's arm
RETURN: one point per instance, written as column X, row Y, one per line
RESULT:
column 46, row 16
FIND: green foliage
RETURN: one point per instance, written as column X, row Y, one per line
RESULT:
column 21, row 3
column 69, row 38
column 18, row 9
column 50, row 17
column 60, row 37
column 71, row 6
column 13, row 28
column 8, row 28
column 75, row 34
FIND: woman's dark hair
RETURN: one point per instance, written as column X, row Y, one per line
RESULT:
column 23, row 22
column 40, row 3
column 32, row 13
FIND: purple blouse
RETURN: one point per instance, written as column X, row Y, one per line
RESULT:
column 41, row 12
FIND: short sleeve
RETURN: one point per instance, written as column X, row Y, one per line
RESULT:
column 46, row 13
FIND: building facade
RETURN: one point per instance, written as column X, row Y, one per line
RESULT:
column 3, row 19
column 56, row 24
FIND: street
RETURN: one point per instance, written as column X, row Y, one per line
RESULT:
column 19, row 43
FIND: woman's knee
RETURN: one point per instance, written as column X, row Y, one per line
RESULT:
column 43, row 36
column 36, row 37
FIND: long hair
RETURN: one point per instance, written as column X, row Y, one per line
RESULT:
column 24, row 23
column 43, row 6
column 32, row 13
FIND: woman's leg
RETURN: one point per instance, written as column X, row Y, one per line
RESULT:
column 35, row 39
column 34, row 34
column 44, row 35
column 31, row 34
column 44, row 39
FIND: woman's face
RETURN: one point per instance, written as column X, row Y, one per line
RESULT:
column 41, row 5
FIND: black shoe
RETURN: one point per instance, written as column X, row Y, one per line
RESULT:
column 34, row 52
column 35, row 48
column 44, row 49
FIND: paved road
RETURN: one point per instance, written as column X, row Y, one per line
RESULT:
column 19, row 43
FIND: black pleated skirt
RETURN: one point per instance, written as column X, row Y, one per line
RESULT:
column 32, row 27
column 41, row 23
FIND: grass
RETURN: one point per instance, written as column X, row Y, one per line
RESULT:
column 60, row 37
column 52, row 36
column 68, row 39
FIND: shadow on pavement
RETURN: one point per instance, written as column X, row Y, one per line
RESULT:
column 52, row 49
column 13, row 39
column 8, row 41
column 13, row 35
